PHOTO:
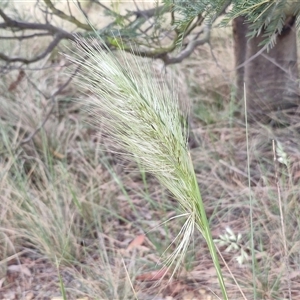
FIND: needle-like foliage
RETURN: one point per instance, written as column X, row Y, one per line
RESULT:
column 142, row 116
column 265, row 16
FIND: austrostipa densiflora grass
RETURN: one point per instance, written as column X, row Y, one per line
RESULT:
column 143, row 118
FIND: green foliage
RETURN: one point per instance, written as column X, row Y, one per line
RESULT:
column 192, row 9
column 267, row 17
column 264, row 16
column 170, row 26
column 190, row 12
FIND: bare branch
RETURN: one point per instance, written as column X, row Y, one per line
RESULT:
column 82, row 11
column 195, row 43
column 57, row 32
column 149, row 46
column 52, row 97
column 13, row 24
column 149, row 13
column 66, row 17
column 48, row 50
column 24, row 37
column 104, row 6
column 189, row 48
column 29, row 138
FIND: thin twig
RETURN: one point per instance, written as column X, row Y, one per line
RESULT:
column 29, row 138
column 189, row 49
column 23, row 37
column 27, row 61
column 11, row 23
column 231, row 274
column 69, row 18
column 250, row 196
column 273, row 61
column 194, row 43
column 129, row 279
column 286, row 260
column 52, row 97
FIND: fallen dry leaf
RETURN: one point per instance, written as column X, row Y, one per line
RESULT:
column 297, row 175
column 155, row 275
column 177, row 287
column 20, row 269
column 1, row 281
column 294, row 274
column 189, row 296
column 14, row 84
column 57, row 154
column 136, row 242
column 29, row 296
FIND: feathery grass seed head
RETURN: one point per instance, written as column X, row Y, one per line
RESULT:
column 142, row 115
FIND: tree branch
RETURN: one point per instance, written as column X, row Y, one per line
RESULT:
column 66, row 17
column 24, row 37
column 52, row 97
column 13, row 24
column 195, row 43
column 168, row 60
column 149, row 13
column 152, row 48
column 50, row 47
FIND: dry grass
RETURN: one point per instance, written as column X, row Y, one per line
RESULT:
column 68, row 206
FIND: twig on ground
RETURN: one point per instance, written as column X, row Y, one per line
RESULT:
column 286, row 259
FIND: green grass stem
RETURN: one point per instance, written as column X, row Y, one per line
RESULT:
column 142, row 117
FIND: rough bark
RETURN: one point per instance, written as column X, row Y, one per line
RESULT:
column 271, row 77
column 240, row 29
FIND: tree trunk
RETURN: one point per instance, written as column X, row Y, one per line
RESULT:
column 270, row 78
column 240, row 50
